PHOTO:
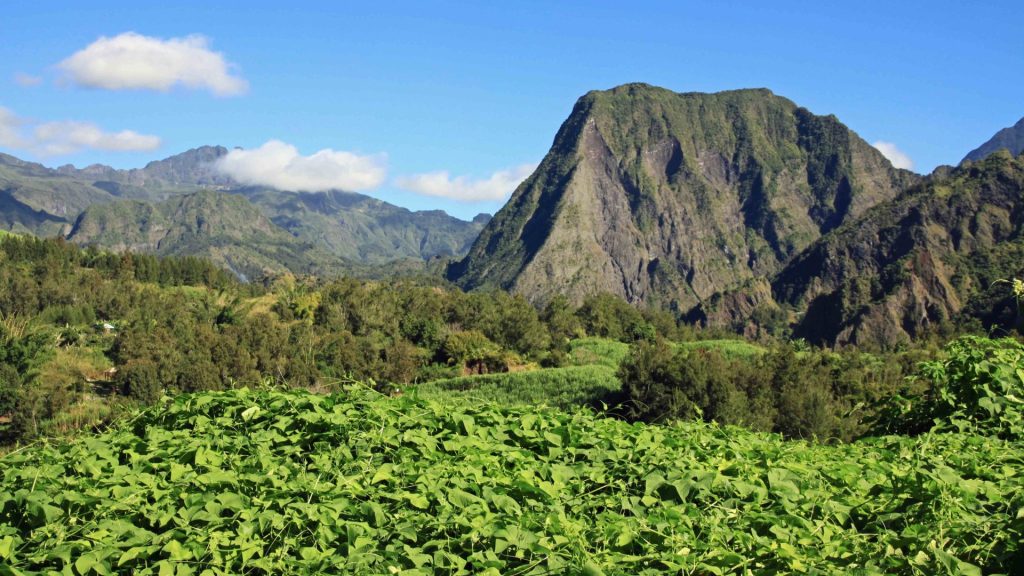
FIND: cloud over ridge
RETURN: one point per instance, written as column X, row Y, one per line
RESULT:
column 131, row 61
column 497, row 186
column 899, row 158
column 279, row 165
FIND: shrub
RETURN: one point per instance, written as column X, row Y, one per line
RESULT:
column 140, row 381
column 979, row 385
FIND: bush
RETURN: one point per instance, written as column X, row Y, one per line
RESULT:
column 10, row 383
column 978, row 386
column 140, row 382
column 664, row 383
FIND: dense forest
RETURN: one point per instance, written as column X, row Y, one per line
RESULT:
column 88, row 334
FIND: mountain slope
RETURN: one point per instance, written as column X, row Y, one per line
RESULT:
column 37, row 200
column 1011, row 138
column 364, row 229
column 667, row 198
column 225, row 228
column 924, row 258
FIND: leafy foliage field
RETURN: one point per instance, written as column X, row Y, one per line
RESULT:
column 247, row 482
column 564, row 388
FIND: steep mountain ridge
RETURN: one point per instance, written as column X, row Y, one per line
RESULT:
column 939, row 253
column 917, row 261
column 667, row 198
column 1010, row 138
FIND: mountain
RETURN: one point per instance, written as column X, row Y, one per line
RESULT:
column 225, row 228
column 364, row 229
column 942, row 252
column 37, row 200
column 1011, row 139
column 930, row 256
column 345, row 226
column 667, row 199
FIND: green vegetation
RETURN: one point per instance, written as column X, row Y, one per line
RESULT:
column 87, row 333
column 294, row 483
column 977, row 387
column 727, row 347
column 602, row 351
column 798, row 393
column 565, row 388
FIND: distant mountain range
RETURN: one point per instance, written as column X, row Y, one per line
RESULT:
column 1011, row 139
column 156, row 208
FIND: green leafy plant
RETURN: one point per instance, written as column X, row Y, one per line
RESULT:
column 273, row 482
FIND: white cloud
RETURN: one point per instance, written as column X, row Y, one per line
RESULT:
column 898, row 157
column 27, row 80
column 67, row 137
column 131, row 61
column 498, row 186
column 279, row 165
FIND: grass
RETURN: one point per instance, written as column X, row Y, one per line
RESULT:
column 731, row 348
column 597, row 351
column 565, row 388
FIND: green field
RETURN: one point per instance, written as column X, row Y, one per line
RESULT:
column 602, row 351
column 564, row 388
column 733, row 348
column 605, row 352
column 247, row 482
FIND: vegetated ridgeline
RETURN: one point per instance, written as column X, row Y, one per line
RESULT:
column 933, row 255
column 666, row 199
column 225, row 228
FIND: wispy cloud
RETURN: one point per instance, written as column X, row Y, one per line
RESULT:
column 497, row 186
column 27, row 80
column 279, row 165
column 10, row 129
column 67, row 136
column 131, row 61
column 898, row 158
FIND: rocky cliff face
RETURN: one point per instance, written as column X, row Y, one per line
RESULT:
column 667, row 199
column 914, row 262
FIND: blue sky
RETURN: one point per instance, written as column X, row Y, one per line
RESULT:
column 402, row 91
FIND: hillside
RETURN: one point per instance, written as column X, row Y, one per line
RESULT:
column 666, row 199
column 223, row 227
column 933, row 255
column 1011, row 138
column 363, row 229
